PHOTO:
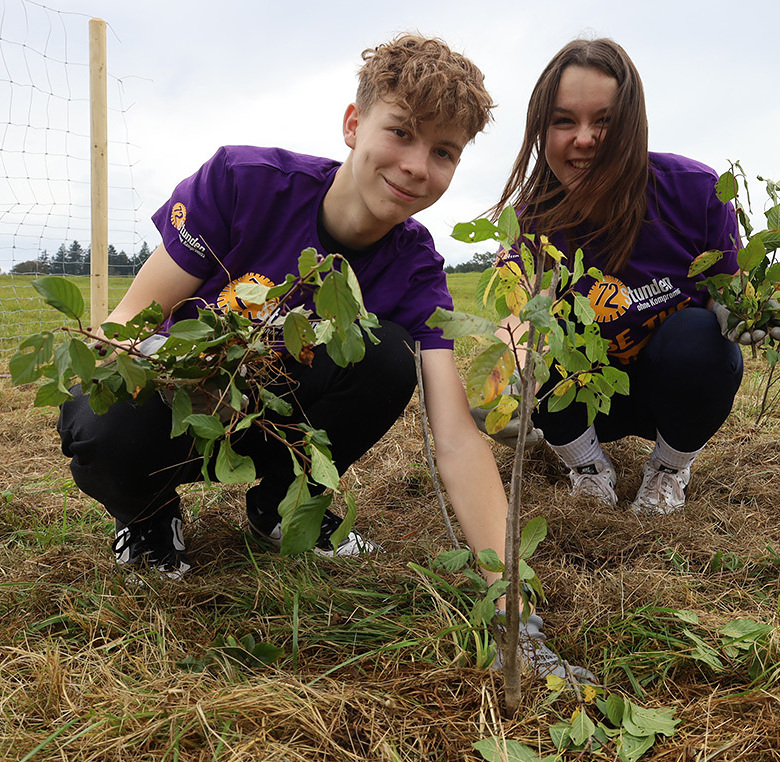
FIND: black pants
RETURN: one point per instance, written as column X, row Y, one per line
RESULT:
column 127, row 461
column 682, row 384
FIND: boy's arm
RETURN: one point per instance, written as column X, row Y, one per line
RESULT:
column 160, row 280
column 463, row 456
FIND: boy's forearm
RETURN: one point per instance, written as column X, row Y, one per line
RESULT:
column 477, row 494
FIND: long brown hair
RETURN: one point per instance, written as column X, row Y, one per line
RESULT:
column 613, row 190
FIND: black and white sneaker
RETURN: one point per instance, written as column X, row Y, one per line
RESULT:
column 154, row 545
column 352, row 545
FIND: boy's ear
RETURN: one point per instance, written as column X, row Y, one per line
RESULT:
column 350, row 124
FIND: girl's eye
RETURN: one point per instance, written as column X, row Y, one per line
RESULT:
column 604, row 121
column 561, row 121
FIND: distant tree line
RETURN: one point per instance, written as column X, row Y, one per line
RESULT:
column 74, row 260
column 476, row 264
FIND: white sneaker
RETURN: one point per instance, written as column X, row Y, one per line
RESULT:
column 596, row 480
column 662, row 489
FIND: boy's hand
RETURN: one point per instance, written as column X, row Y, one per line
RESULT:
column 508, row 435
column 738, row 334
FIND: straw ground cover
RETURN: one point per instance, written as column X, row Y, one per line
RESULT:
column 377, row 661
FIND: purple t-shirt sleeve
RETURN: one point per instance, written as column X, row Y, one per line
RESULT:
column 195, row 223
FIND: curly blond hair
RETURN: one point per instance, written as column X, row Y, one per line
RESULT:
column 430, row 81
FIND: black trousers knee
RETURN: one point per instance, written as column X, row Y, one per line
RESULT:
column 127, row 460
column 682, row 385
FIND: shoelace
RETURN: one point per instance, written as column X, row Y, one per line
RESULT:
column 590, row 484
column 666, row 485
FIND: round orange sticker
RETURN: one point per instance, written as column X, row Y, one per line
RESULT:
column 178, row 215
column 609, row 298
column 228, row 299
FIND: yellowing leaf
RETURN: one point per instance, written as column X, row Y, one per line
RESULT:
column 516, row 299
column 489, row 374
column 589, row 693
column 555, row 683
column 559, row 391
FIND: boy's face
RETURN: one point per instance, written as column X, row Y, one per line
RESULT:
column 398, row 169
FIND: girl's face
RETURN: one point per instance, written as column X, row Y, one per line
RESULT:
column 579, row 121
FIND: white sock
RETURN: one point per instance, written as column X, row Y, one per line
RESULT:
column 585, row 449
column 670, row 457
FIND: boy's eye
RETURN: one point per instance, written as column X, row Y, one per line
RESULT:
column 443, row 153
column 401, row 133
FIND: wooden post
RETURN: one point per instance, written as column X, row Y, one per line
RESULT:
column 99, row 181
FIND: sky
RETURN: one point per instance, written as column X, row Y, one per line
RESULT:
column 186, row 78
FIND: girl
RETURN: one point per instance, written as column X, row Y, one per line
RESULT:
column 585, row 178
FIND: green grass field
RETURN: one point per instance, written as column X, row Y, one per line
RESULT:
column 378, row 660
column 24, row 312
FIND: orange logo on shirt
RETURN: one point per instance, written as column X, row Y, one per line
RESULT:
column 610, row 298
column 229, row 300
column 178, row 215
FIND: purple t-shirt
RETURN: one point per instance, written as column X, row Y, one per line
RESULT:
column 684, row 218
column 248, row 212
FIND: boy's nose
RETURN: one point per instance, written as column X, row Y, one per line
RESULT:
column 415, row 162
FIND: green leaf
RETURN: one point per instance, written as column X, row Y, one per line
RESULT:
column 205, row 426
column 582, row 728
column 301, row 526
column 456, row 324
column 134, row 376
column 691, row 617
column 583, row 309
column 508, row 225
column 488, row 559
column 630, row 748
column 343, row 530
column 191, row 330
column 307, row 261
column 298, row 333
column 704, row 262
column 334, row 301
column 504, row 750
column 476, row 231
column 726, row 187
column 556, row 403
column 346, row 348
column 82, row 359
column 232, row 468
column 612, row 708
column 24, row 368
column 538, row 311
column 616, row 378
column 323, row 469
column 489, row 374
column 50, row 395
column 752, row 255
column 453, row 560
column 101, row 397
column 181, row 408
column 533, row 533
column 641, row 721
column 61, row 294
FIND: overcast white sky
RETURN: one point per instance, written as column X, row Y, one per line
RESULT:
column 196, row 75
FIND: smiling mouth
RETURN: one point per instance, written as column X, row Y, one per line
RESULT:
column 400, row 192
column 579, row 163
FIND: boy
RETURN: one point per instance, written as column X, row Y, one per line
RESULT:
column 418, row 104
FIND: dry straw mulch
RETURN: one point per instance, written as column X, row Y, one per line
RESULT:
column 88, row 661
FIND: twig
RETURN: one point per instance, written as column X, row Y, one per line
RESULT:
column 428, row 453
